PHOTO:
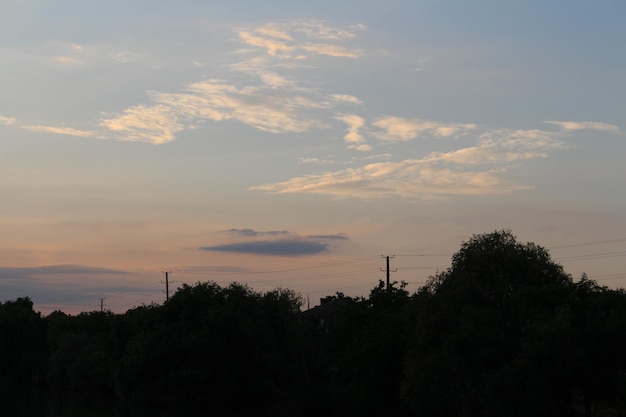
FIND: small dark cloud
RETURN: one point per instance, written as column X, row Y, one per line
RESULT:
column 21, row 273
column 339, row 236
column 256, row 233
column 284, row 247
column 62, row 286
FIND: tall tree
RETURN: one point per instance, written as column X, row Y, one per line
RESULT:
column 469, row 325
column 22, row 352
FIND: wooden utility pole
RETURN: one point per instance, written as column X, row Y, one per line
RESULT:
column 389, row 271
column 167, row 285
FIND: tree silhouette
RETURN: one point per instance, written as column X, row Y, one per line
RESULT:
column 503, row 332
column 474, row 326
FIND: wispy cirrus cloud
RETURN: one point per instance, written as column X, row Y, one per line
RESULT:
column 501, row 147
column 412, row 178
column 402, row 129
column 572, row 126
column 300, row 39
column 346, row 98
column 332, row 50
column 69, row 131
column 319, row 29
column 353, row 137
column 7, row 120
column 265, row 107
column 273, row 45
column 472, row 170
column 124, row 56
column 212, row 100
column 266, row 94
column 75, row 56
column 273, row 100
column 332, row 160
column 70, row 55
column 156, row 124
column 320, row 161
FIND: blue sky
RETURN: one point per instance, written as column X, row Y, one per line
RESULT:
column 294, row 144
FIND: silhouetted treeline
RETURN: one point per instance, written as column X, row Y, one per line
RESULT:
column 503, row 332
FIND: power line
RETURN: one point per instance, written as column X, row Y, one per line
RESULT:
column 591, row 243
column 350, row 261
column 608, row 277
column 329, row 275
column 425, row 254
column 592, row 256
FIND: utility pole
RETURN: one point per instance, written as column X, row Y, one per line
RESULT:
column 101, row 305
column 389, row 271
column 167, row 285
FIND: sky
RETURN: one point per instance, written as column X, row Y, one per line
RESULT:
column 297, row 144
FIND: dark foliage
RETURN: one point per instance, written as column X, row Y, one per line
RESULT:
column 503, row 332
column 22, row 354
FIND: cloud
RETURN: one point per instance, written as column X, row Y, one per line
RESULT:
column 521, row 141
column 7, row 120
column 213, row 100
column 321, row 161
column 297, row 39
column 64, row 55
column 274, row 30
column 473, row 170
column 271, row 45
column 254, row 233
column 281, row 247
column 382, row 156
column 411, row 178
column 401, row 129
column 271, row 101
column 501, row 147
column 363, row 148
column 267, row 72
column 332, row 50
column 124, row 57
column 60, row 130
column 25, row 273
column 153, row 124
column 318, row 29
column 572, row 126
column 339, row 236
column 284, row 243
column 69, row 55
column 353, row 137
column 346, row 98
column 63, row 286
column 272, row 79
column 69, row 61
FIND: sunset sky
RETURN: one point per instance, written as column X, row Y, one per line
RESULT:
column 293, row 143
